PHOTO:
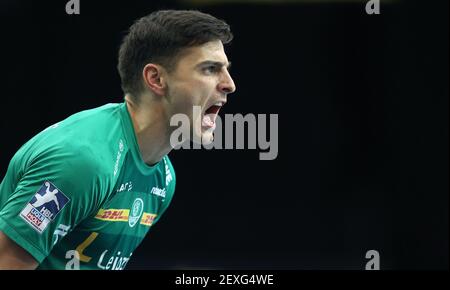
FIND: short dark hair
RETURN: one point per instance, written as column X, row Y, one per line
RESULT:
column 159, row 37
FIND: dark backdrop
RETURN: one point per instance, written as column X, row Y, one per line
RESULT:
column 363, row 129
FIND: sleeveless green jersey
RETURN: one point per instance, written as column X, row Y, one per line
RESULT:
column 78, row 194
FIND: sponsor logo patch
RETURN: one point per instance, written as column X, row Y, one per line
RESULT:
column 136, row 211
column 113, row 215
column 123, row 215
column 147, row 219
column 158, row 191
column 44, row 206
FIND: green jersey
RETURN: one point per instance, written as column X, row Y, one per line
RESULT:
column 78, row 194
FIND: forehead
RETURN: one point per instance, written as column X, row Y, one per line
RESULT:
column 210, row 51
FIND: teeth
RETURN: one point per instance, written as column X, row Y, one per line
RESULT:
column 220, row 104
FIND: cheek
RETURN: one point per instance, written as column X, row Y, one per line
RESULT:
column 194, row 93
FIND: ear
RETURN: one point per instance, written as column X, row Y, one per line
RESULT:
column 153, row 78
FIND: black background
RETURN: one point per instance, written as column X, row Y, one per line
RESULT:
column 363, row 129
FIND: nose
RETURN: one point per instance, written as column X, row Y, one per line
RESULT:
column 226, row 85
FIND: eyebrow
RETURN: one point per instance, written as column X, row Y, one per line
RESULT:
column 215, row 63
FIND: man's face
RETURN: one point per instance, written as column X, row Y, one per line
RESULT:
column 201, row 78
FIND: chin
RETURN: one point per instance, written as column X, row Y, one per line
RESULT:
column 203, row 136
column 207, row 137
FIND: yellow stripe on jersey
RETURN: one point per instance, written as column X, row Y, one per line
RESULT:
column 113, row 215
column 148, row 218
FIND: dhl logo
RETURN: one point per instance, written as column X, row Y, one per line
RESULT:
column 113, row 215
column 147, row 219
column 121, row 215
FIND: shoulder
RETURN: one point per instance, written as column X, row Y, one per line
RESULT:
column 68, row 161
column 85, row 143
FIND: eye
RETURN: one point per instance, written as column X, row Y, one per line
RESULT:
column 211, row 69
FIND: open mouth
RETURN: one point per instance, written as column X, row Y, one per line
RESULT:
column 209, row 118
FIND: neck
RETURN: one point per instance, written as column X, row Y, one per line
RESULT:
column 151, row 127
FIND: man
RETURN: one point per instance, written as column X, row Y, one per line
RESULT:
column 83, row 193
